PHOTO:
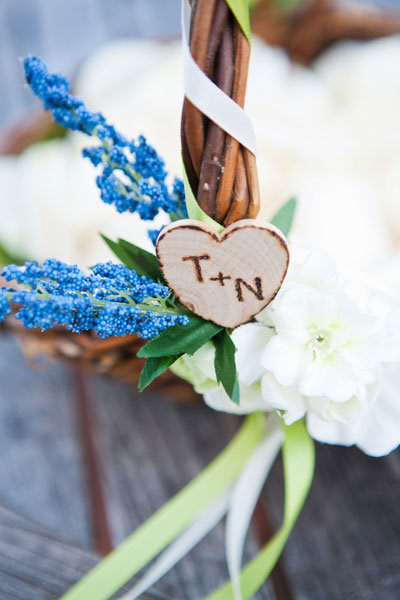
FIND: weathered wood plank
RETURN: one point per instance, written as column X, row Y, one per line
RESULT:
column 36, row 565
column 41, row 475
column 346, row 543
column 151, row 449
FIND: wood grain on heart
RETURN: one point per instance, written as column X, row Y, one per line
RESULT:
column 226, row 278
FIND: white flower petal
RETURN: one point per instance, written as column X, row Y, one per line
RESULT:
column 198, row 369
column 250, row 400
column 351, row 411
column 368, row 352
column 332, row 432
column 319, row 271
column 332, row 378
column 352, row 320
column 381, row 433
column 286, row 359
column 250, row 340
column 282, row 398
column 295, row 312
column 392, row 338
column 319, row 405
column 265, row 316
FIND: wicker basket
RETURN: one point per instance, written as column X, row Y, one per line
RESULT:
column 315, row 25
column 221, row 172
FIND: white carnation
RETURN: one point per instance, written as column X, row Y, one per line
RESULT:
column 317, row 354
column 199, row 370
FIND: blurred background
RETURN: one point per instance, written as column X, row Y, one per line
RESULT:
column 323, row 93
column 324, row 97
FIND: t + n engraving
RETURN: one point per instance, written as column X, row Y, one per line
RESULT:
column 221, row 278
column 257, row 291
column 196, row 263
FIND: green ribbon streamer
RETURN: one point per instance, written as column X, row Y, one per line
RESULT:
column 157, row 532
column 298, row 464
column 193, row 208
column 241, row 10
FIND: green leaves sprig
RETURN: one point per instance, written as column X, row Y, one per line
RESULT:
column 283, row 218
column 225, row 366
column 133, row 257
column 181, row 339
column 172, row 343
column 154, row 367
column 167, row 347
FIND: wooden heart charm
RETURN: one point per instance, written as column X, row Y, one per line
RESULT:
column 225, row 278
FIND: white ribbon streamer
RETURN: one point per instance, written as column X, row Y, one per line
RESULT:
column 209, row 98
column 207, row 520
column 246, row 492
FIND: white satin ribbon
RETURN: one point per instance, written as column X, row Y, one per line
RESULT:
column 209, row 98
column 208, row 519
column 246, row 492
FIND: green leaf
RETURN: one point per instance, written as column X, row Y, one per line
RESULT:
column 153, row 368
column 180, row 339
column 119, row 252
column 7, row 257
column 240, row 9
column 146, row 263
column 133, row 257
column 225, row 367
column 283, row 219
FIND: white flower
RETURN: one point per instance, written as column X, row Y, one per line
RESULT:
column 250, row 341
column 251, row 400
column 199, row 370
column 314, row 353
column 318, row 270
column 322, row 345
column 317, row 354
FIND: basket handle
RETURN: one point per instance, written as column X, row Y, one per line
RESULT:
column 221, row 172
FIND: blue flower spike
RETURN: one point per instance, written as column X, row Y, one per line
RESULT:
column 132, row 176
column 112, row 300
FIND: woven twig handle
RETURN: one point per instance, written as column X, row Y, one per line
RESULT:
column 221, row 172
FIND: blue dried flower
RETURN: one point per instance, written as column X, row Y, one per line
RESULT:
column 132, row 175
column 154, row 233
column 4, row 305
column 112, row 300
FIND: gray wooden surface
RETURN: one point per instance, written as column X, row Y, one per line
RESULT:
column 37, row 565
column 148, row 449
column 346, row 543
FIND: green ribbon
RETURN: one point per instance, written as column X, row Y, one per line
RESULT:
column 157, row 532
column 298, row 464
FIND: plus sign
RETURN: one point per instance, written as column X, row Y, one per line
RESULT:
column 221, row 277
